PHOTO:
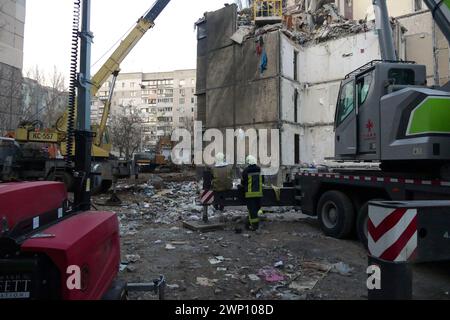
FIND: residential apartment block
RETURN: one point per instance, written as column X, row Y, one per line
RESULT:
column 12, row 23
column 166, row 101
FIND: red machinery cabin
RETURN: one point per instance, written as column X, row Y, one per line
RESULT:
column 41, row 240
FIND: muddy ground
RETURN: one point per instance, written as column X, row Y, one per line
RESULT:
column 289, row 258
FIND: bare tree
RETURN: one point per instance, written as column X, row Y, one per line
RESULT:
column 45, row 97
column 188, row 124
column 126, row 130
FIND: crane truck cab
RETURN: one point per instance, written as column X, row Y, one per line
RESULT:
column 385, row 113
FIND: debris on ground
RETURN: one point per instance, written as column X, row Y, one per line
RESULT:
column 342, row 268
column 216, row 260
column 132, row 258
column 170, row 247
column 290, row 259
column 270, row 274
column 205, row 282
column 131, row 268
column 253, row 277
column 279, row 264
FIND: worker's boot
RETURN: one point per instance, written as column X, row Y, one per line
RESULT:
column 247, row 224
column 261, row 215
column 252, row 224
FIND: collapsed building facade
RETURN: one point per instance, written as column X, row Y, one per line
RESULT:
column 287, row 75
column 282, row 76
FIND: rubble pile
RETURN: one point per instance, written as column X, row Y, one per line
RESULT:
column 304, row 25
column 161, row 202
column 338, row 30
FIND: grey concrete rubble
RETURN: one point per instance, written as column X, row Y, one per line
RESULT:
column 289, row 259
column 312, row 24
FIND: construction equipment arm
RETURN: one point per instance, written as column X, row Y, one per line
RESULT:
column 441, row 14
column 106, row 109
column 112, row 65
column 111, row 68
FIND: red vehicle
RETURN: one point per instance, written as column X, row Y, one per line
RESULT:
column 50, row 249
column 42, row 238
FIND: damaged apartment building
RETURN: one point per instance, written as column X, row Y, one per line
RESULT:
column 286, row 73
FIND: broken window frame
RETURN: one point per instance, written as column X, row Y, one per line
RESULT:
column 296, row 149
column 202, row 30
column 418, row 5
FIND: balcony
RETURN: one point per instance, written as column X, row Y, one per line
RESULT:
column 268, row 11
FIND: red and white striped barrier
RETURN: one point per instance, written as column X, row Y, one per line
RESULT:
column 207, row 197
column 392, row 233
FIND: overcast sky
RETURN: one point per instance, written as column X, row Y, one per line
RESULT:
column 170, row 45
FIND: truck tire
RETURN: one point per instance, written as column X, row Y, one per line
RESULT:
column 362, row 221
column 117, row 291
column 336, row 214
column 106, row 185
column 99, row 186
column 64, row 177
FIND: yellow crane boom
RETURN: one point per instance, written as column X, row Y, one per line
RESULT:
column 110, row 68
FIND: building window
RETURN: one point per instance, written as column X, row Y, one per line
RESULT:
column 295, row 65
column 296, row 106
column 132, row 84
column 182, row 83
column 182, row 92
column 182, row 100
column 297, row 149
column 123, row 84
column 417, row 5
column 202, row 30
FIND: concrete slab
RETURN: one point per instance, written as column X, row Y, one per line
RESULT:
column 221, row 25
column 257, row 102
column 203, row 227
column 219, row 108
column 221, row 68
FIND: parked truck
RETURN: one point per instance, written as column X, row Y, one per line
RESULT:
column 46, row 240
column 105, row 166
column 386, row 115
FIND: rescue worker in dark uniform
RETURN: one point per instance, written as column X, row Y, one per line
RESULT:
column 252, row 183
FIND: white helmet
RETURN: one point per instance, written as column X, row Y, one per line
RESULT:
column 251, row 160
column 220, row 158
